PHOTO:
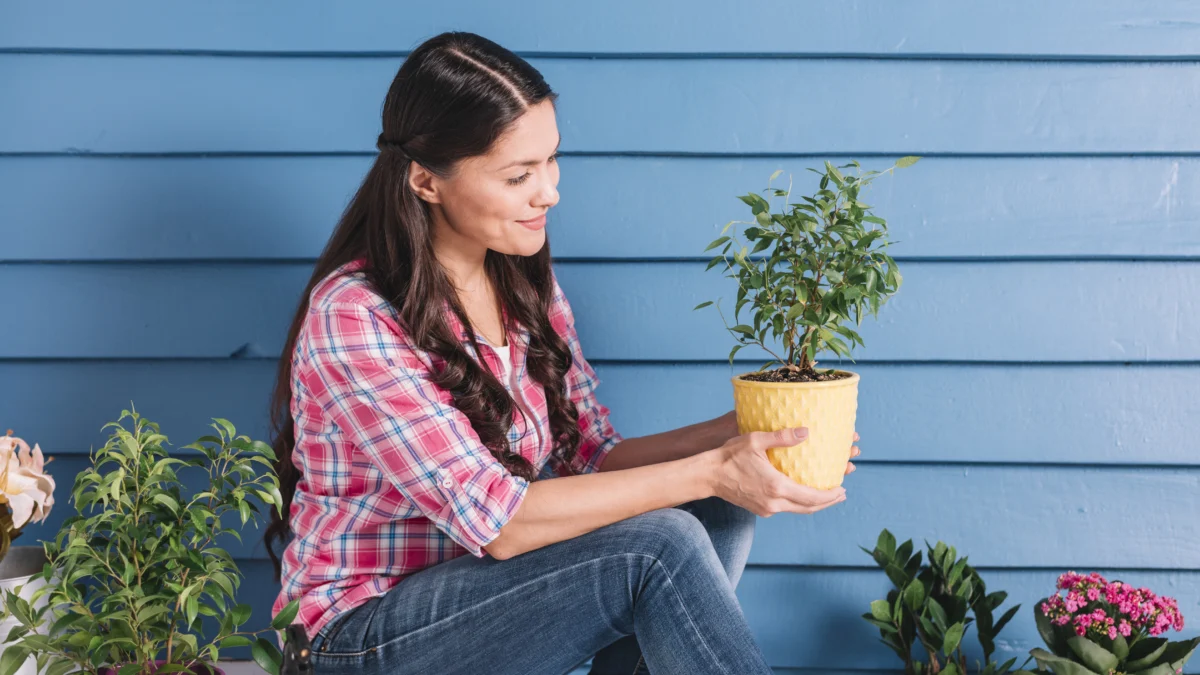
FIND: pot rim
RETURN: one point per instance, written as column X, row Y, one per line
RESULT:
column 840, row 382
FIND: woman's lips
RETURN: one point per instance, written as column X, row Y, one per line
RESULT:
column 535, row 224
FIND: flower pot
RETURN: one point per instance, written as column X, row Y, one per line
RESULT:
column 19, row 564
column 827, row 409
column 197, row 669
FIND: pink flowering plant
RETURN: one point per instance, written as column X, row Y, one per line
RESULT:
column 1097, row 627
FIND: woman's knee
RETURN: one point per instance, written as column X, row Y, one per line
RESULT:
column 669, row 534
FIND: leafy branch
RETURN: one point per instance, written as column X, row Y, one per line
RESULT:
column 823, row 265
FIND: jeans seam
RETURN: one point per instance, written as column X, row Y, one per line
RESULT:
column 689, row 616
column 331, row 629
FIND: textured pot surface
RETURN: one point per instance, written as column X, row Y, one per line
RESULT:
column 827, row 409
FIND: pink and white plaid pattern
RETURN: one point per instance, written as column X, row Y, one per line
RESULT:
column 394, row 479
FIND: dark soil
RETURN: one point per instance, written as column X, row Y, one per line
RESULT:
column 793, row 374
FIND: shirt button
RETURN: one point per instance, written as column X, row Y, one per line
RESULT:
column 446, row 482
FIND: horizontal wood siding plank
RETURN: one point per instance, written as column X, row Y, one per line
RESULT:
column 270, row 208
column 964, row 414
column 1013, row 311
column 161, row 104
column 1079, row 29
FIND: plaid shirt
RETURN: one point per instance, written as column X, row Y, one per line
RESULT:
column 394, row 478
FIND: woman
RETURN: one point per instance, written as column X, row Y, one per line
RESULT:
column 436, row 403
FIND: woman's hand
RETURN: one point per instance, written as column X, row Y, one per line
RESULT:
column 746, row 477
column 725, row 427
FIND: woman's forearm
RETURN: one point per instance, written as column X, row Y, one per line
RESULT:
column 557, row 509
column 671, row 445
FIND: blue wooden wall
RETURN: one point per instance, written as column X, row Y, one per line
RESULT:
column 168, row 172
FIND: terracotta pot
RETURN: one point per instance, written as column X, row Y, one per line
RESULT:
column 827, row 409
column 198, row 669
column 20, row 563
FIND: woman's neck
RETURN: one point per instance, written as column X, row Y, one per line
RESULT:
column 462, row 259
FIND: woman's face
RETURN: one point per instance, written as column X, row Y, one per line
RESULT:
column 499, row 200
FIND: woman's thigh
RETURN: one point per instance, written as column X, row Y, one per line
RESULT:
column 544, row 611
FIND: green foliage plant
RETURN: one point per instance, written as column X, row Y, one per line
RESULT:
column 933, row 604
column 127, row 584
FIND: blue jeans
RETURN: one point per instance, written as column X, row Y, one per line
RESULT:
column 649, row 594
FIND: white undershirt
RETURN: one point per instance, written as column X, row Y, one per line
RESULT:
column 505, row 354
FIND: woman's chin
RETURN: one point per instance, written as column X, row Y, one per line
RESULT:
column 527, row 244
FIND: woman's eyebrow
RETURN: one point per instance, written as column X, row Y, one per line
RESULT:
column 530, row 162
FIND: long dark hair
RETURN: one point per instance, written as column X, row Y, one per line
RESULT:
column 452, row 98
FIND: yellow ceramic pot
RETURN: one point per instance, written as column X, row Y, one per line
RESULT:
column 827, row 409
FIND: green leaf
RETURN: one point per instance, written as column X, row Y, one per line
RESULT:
column 1060, row 665
column 168, row 501
column 1145, row 653
column 937, row 614
column 1160, row 669
column 266, row 655
column 880, row 610
column 286, row 615
column 13, row 658
column 191, row 609
column 735, row 350
column 241, row 614
column 914, row 595
column 1093, row 655
column 1048, row 631
column 717, row 242
column 756, row 203
column 953, row 638
column 905, row 162
column 886, row 543
column 897, row 575
column 1121, row 647
column 1178, row 653
column 951, row 669
column 706, row 303
column 1008, row 615
column 230, row 432
column 231, row 641
column 881, row 625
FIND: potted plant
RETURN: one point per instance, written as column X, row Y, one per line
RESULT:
column 26, row 496
column 127, row 584
column 1100, row 627
column 934, row 604
column 823, row 263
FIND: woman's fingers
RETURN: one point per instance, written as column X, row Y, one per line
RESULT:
column 856, row 435
column 854, row 451
column 850, row 468
column 807, row 496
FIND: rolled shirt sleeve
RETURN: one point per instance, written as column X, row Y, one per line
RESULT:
column 598, row 437
column 374, row 387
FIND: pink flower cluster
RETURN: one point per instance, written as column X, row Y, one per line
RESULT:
column 1094, row 605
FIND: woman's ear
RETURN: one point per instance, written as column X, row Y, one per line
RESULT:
column 423, row 183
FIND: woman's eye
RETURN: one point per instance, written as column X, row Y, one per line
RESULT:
column 522, row 179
